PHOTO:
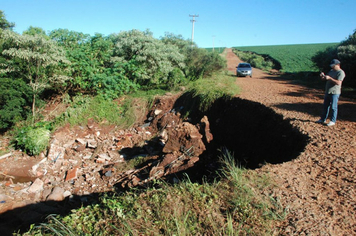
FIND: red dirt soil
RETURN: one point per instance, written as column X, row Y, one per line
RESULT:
column 318, row 187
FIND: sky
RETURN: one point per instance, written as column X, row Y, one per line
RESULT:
column 220, row 23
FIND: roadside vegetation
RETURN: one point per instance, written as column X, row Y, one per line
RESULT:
column 291, row 58
column 257, row 61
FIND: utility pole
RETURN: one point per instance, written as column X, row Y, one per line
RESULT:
column 193, row 25
column 213, row 42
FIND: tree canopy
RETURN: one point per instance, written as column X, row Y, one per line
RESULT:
column 346, row 53
column 4, row 24
column 36, row 59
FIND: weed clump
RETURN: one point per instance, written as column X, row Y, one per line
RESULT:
column 33, row 140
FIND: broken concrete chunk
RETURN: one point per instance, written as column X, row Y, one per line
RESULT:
column 157, row 112
column 34, row 167
column 3, row 197
column 72, row 174
column 55, row 152
column 5, row 156
column 56, row 195
column 163, row 136
column 87, row 157
column 104, row 156
column 80, row 147
column 92, row 144
column 46, row 193
column 69, row 143
column 67, row 194
column 36, row 187
column 81, row 141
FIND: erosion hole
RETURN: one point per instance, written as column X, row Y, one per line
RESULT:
column 253, row 133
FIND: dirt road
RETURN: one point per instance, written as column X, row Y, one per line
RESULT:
column 318, row 187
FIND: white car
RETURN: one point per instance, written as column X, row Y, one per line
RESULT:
column 244, row 69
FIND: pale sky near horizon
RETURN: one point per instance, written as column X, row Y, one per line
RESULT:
column 223, row 23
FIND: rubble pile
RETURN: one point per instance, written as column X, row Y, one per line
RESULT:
column 90, row 159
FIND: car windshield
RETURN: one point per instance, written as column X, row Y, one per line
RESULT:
column 244, row 66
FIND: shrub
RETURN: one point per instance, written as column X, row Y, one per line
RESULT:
column 15, row 101
column 33, row 140
column 111, row 87
column 201, row 63
column 151, row 59
column 176, row 78
column 346, row 52
column 255, row 60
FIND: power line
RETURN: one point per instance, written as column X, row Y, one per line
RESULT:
column 193, row 20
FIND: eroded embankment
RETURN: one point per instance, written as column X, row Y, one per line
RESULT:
column 174, row 139
column 189, row 141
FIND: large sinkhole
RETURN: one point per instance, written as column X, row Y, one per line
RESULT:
column 252, row 132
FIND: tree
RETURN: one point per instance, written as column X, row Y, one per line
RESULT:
column 77, row 48
column 177, row 40
column 35, row 31
column 198, row 62
column 69, row 39
column 35, row 59
column 146, row 60
column 4, row 24
column 346, row 53
column 15, row 101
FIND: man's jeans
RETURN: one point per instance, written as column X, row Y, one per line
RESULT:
column 330, row 102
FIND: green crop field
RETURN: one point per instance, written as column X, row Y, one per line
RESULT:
column 216, row 49
column 293, row 58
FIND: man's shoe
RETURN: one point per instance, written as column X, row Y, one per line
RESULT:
column 331, row 123
column 320, row 121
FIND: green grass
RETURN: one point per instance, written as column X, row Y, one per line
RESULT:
column 122, row 112
column 83, row 107
column 293, row 58
column 210, row 89
column 32, row 140
column 234, row 205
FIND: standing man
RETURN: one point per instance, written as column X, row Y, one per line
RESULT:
column 332, row 92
